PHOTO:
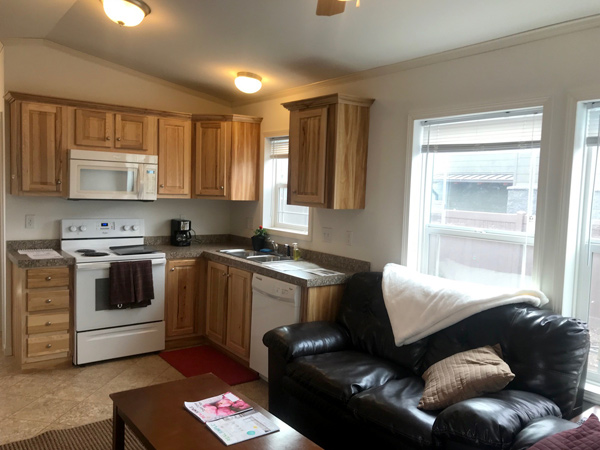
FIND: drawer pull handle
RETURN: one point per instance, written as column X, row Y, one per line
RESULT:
column 49, row 346
column 48, row 278
column 48, row 300
column 48, row 324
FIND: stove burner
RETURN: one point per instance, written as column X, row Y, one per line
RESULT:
column 94, row 253
column 85, row 250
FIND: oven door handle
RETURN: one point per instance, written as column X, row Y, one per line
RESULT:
column 106, row 265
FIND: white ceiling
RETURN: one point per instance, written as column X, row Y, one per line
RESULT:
column 201, row 44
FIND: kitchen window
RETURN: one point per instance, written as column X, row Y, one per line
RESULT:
column 473, row 196
column 278, row 216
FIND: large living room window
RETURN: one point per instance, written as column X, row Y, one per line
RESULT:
column 473, row 196
column 586, row 270
column 277, row 214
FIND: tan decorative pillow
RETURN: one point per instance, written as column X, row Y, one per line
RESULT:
column 465, row 375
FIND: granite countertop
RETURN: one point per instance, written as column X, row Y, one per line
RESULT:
column 293, row 272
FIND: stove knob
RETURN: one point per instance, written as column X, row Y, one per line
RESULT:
column 82, row 228
column 72, row 228
column 135, row 228
column 126, row 227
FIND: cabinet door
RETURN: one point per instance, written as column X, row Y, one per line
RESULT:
column 94, row 128
column 239, row 314
column 307, row 157
column 174, row 158
column 43, row 130
column 245, row 146
column 213, row 140
column 132, row 132
column 216, row 301
column 182, row 298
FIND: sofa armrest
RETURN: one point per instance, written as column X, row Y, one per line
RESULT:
column 492, row 421
column 541, row 428
column 309, row 338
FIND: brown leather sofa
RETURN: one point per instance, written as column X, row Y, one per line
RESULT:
column 345, row 383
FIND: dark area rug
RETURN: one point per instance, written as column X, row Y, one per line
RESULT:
column 93, row 436
column 205, row 359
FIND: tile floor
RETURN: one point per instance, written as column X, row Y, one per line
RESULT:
column 35, row 401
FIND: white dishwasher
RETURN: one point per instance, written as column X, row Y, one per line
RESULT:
column 274, row 303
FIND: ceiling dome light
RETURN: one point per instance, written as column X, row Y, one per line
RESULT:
column 128, row 13
column 248, row 83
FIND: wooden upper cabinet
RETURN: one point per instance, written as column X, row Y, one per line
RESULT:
column 227, row 157
column 114, row 131
column 212, row 140
column 174, row 158
column 94, row 128
column 329, row 138
column 38, row 148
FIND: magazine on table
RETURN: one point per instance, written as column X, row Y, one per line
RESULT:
column 215, row 408
column 231, row 418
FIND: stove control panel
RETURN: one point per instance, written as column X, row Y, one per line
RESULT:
column 101, row 228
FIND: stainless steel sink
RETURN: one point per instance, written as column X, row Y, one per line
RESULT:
column 254, row 256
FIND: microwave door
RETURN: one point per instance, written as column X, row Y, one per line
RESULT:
column 104, row 180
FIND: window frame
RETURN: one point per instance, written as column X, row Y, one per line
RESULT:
column 269, row 205
column 413, row 223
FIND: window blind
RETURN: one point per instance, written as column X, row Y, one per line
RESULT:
column 279, row 147
column 507, row 130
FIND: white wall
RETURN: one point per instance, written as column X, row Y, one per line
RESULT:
column 545, row 70
column 43, row 68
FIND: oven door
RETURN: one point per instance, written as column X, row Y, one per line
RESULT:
column 92, row 304
column 105, row 180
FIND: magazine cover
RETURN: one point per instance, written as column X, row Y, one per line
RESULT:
column 242, row 427
column 214, row 408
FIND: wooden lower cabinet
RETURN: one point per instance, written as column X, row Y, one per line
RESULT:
column 183, row 312
column 42, row 319
column 229, row 308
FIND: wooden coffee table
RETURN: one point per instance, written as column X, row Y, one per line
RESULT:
column 158, row 418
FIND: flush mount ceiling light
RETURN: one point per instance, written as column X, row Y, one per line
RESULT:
column 248, row 82
column 128, row 13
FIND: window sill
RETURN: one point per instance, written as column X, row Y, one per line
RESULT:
column 592, row 393
column 289, row 233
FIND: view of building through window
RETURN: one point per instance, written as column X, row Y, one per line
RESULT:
column 479, row 191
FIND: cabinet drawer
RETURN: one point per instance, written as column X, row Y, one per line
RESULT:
column 41, row 278
column 47, row 345
column 44, row 323
column 44, row 300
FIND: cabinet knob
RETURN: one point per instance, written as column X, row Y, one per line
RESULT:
column 13, row 177
column 294, row 192
column 172, row 269
column 162, row 185
column 118, row 139
column 48, row 324
column 108, row 138
column 221, row 187
column 223, row 274
column 58, row 182
column 48, row 278
column 48, row 300
column 49, row 346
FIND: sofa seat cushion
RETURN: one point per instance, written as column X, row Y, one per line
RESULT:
column 340, row 375
column 393, row 407
column 492, row 421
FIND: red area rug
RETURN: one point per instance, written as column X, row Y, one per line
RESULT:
column 204, row 359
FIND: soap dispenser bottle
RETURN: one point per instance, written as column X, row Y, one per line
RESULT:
column 296, row 251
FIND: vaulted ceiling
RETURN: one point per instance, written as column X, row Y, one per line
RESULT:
column 201, row 44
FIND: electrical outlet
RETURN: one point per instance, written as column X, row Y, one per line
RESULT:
column 249, row 223
column 349, row 237
column 29, row 221
column 327, row 234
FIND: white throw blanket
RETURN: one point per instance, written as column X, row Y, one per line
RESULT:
column 419, row 305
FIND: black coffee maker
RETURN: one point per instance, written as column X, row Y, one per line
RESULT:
column 180, row 232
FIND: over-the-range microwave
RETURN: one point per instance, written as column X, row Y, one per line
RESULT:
column 97, row 175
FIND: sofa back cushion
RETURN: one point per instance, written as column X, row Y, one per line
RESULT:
column 546, row 352
column 363, row 313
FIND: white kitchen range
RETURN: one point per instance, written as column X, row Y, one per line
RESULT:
column 105, row 329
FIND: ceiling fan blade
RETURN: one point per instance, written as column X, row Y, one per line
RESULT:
column 330, row 7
